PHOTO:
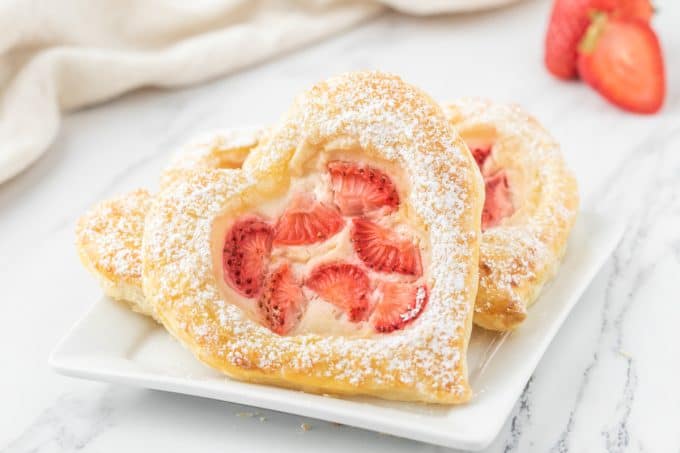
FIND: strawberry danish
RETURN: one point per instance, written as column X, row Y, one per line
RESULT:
column 342, row 257
column 530, row 207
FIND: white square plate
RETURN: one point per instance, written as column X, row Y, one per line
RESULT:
column 111, row 343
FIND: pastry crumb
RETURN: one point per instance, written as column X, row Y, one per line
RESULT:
column 305, row 427
column 625, row 354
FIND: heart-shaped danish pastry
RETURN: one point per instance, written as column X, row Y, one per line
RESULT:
column 530, row 207
column 342, row 258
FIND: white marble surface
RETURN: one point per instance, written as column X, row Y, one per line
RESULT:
column 609, row 381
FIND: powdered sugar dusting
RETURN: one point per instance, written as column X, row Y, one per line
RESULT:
column 110, row 235
column 421, row 295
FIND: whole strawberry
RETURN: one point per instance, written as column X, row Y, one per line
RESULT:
column 569, row 21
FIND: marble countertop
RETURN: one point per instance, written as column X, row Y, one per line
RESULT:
column 608, row 382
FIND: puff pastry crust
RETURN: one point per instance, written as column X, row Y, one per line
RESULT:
column 109, row 235
column 522, row 252
column 223, row 149
column 380, row 118
column 109, row 244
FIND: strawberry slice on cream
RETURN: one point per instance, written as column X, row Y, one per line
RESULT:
column 326, row 257
column 498, row 203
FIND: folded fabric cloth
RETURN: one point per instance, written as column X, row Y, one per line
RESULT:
column 57, row 56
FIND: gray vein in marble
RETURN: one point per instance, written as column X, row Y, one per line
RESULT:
column 521, row 417
column 68, row 425
column 618, row 438
column 562, row 444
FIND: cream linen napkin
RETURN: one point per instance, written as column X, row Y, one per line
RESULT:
column 65, row 54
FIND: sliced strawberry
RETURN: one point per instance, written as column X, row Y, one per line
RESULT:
column 384, row 250
column 343, row 285
column 568, row 22
column 498, row 201
column 245, row 253
column 307, row 221
column 359, row 189
column 282, row 302
column 622, row 60
column 398, row 304
column 481, row 154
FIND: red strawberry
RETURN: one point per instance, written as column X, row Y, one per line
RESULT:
column 398, row 304
column 307, row 221
column 246, row 250
column 622, row 60
column 343, row 285
column 359, row 188
column 498, row 201
column 480, row 155
column 282, row 301
column 568, row 22
column 635, row 9
column 384, row 250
